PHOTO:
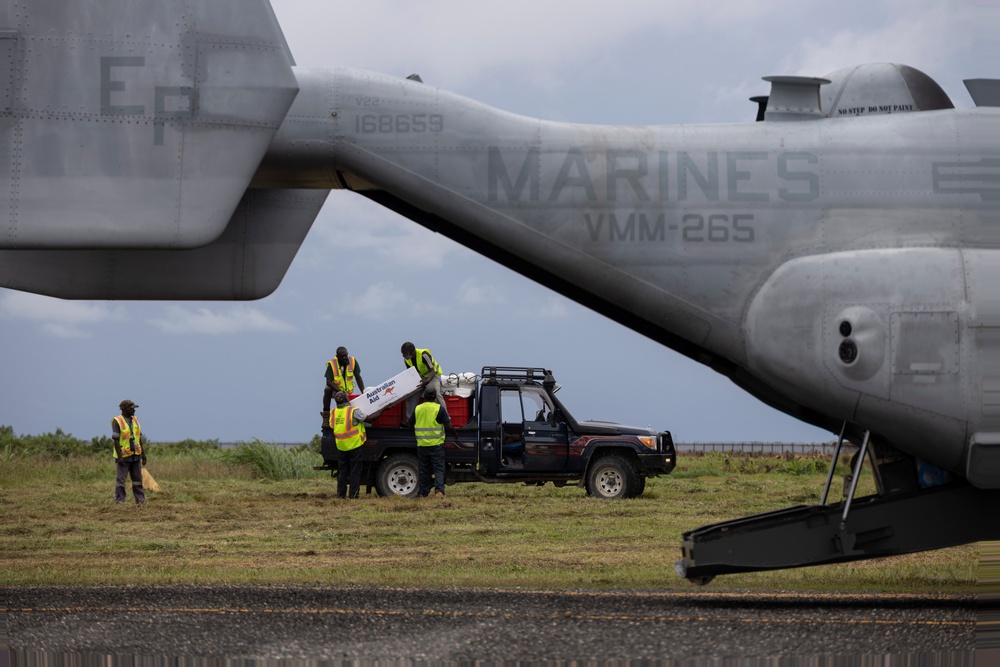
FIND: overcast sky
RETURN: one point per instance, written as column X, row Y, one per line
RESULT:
column 369, row 280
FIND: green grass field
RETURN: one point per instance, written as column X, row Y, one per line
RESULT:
column 220, row 519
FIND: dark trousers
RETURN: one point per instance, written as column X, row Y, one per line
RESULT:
column 129, row 466
column 430, row 459
column 349, row 470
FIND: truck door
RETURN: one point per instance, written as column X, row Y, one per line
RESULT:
column 546, row 442
column 490, row 440
column 511, row 428
column 531, row 439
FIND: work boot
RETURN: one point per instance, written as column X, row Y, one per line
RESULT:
column 438, row 494
column 326, row 417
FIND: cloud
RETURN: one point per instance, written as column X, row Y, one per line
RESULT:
column 352, row 229
column 471, row 293
column 554, row 308
column 236, row 319
column 448, row 45
column 378, row 302
column 65, row 331
column 385, row 300
column 548, row 307
column 57, row 317
column 926, row 34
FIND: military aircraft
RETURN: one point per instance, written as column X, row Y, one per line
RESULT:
column 837, row 259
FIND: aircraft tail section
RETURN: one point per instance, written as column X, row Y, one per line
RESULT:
column 126, row 123
column 247, row 261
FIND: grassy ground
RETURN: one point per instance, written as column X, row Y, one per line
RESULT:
column 217, row 521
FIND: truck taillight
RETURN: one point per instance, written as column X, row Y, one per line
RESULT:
column 648, row 440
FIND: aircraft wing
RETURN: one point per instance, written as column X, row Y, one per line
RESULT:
column 130, row 124
column 248, row 261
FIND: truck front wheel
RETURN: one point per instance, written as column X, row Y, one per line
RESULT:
column 612, row 477
column 397, row 476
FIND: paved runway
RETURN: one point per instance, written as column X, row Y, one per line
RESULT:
column 418, row 625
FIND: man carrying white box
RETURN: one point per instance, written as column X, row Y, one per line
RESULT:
column 430, row 375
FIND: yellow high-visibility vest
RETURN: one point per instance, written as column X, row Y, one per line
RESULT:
column 428, row 430
column 422, row 368
column 343, row 381
column 348, row 434
column 129, row 432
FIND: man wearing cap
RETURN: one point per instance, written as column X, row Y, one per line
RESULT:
column 130, row 458
column 430, row 374
column 342, row 373
column 348, row 426
column 429, row 421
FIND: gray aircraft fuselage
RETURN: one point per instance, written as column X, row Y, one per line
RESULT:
column 744, row 246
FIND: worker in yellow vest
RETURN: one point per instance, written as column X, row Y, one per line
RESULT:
column 348, row 426
column 430, row 374
column 343, row 373
column 429, row 422
column 129, row 457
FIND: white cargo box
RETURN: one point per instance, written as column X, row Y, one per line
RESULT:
column 384, row 394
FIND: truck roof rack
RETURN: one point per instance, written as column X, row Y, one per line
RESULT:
column 514, row 373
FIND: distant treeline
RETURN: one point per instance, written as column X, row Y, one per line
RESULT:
column 758, row 447
column 65, row 445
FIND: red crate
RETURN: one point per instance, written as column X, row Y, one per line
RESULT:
column 459, row 409
column 391, row 416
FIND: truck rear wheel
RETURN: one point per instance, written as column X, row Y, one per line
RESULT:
column 397, row 476
column 612, row 477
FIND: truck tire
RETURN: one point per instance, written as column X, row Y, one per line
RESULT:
column 612, row 477
column 397, row 476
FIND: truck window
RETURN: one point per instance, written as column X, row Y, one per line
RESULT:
column 535, row 407
column 513, row 423
column 510, row 406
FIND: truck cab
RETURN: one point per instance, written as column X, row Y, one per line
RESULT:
column 513, row 428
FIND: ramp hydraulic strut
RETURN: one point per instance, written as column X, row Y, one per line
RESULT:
column 902, row 518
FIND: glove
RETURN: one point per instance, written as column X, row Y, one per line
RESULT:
column 143, row 459
column 121, row 462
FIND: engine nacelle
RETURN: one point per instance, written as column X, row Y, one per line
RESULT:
column 897, row 341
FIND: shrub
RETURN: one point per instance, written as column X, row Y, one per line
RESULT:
column 103, row 444
column 272, row 462
column 57, row 445
column 183, row 447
